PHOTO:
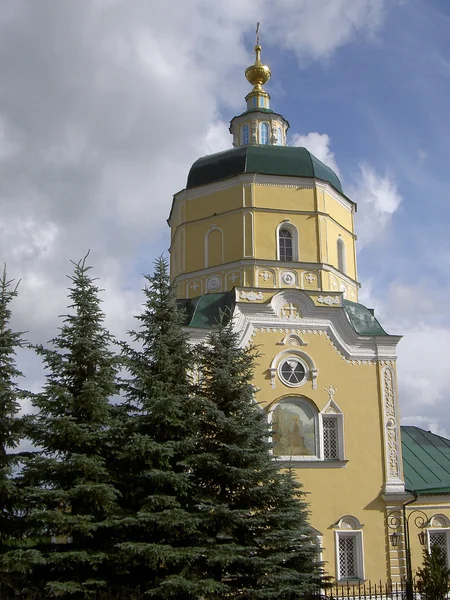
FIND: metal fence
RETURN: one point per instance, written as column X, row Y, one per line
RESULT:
column 368, row 591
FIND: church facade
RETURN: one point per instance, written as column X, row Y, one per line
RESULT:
column 266, row 231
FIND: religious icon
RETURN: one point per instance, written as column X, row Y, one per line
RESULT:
column 293, row 428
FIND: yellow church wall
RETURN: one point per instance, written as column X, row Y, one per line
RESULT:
column 333, row 231
column 266, row 224
column 348, row 488
column 336, row 211
column 291, row 199
column 218, row 202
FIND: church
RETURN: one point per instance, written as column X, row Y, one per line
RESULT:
column 266, row 231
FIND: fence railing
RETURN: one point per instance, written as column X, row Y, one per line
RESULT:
column 368, row 591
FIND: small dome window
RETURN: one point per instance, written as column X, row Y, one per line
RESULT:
column 244, row 135
column 264, row 133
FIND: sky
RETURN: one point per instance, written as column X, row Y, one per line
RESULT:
column 105, row 104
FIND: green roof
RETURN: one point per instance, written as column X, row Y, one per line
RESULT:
column 362, row 319
column 268, row 160
column 205, row 311
column 426, row 461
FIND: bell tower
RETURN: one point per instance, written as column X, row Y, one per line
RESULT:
column 262, row 214
column 264, row 232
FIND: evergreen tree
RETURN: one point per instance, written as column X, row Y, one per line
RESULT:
column 255, row 538
column 68, row 496
column 10, row 432
column 433, row 577
column 158, row 530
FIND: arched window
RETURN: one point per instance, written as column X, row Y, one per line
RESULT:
column 264, row 133
column 294, row 429
column 285, row 245
column 244, row 134
column 341, row 255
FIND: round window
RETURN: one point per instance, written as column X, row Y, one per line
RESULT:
column 292, row 371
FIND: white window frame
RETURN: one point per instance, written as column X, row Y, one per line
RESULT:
column 339, row 418
column 359, row 554
column 294, row 233
column 317, row 426
column 441, row 530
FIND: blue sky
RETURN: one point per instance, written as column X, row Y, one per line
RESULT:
column 104, row 106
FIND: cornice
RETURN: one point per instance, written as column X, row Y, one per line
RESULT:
column 262, row 264
column 250, row 318
column 268, row 180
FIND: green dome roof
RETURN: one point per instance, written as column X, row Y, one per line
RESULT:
column 288, row 161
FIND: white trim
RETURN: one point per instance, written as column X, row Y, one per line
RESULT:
column 207, row 234
column 359, row 551
column 311, row 370
column 332, row 322
column 273, row 264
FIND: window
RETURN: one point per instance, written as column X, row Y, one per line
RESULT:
column 349, row 566
column 349, row 549
column 292, row 371
column 245, row 135
column 254, row 101
column 261, row 101
column 285, row 245
column 341, row 255
column 294, row 428
column 264, row 133
column 439, row 538
column 331, row 446
column 299, row 430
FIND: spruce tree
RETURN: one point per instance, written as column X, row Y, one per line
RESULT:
column 158, row 529
column 68, row 497
column 433, row 577
column 10, row 431
column 255, row 538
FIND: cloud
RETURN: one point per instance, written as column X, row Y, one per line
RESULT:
column 319, row 145
column 378, row 199
column 414, row 310
column 104, row 105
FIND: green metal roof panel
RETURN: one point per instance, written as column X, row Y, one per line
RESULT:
column 362, row 319
column 426, row 461
column 203, row 312
column 269, row 160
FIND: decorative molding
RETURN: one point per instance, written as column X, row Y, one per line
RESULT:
column 290, row 311
column 329, row 300
column 311, row 369
column 292, row 339
column 330, row 390
column 392, row 435
column 252, row 296
column 439, row 521
column 214, row 283
column 348, row 522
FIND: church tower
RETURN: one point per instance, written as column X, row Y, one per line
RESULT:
column 266, row 230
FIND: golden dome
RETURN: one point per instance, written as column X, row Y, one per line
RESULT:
column 257, row 74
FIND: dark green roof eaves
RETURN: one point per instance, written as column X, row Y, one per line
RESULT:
column 362, row 319
column 288, row 161
column 426, row 461
column 203, row 312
